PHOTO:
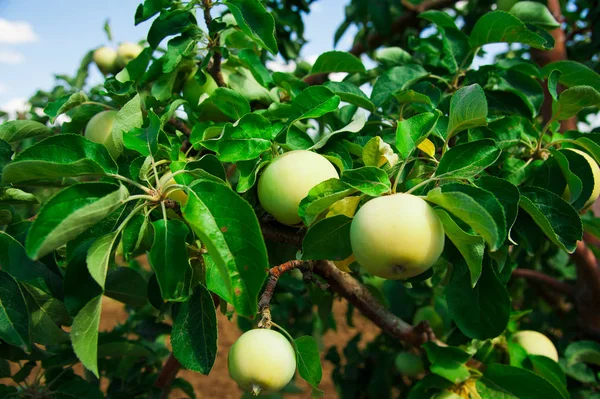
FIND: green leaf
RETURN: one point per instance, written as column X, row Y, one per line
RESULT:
column 321, row 197
column 84, row 334
column 9, row 195
column 468, row 159
column 502, row 27
column 14, row 131
column 254, row 20
column 126, row 285
column 244, row 141
column 57, row 157
column 148, row 9
column 64, row 104
column 100, row 256
column 351, row 94
column 170, row 23
column 144, row 140
column 194, row 335
column 377, row 153
column 256, row 67
column 368, row 179
column 355, row 126
column 506, row 193
column 551, row 372
column 308, row 360
column 448, row 362
column 534, row 13
column 169, row 260
column 395, row 79
column 558, row 220
column 480, row 312
column 71, row 212
column 230, row 103
column 412, row 131
column 312, row 102
column 578, row 175
column 328, row 239
column 228, row 226
column 46, row 313
column 468, row 109
column 127, row 118
column 337, row 61
column 14, row 316
column 583, row 351
column 573, row 100
column 553, row 80
column 573, row 74
column 476, row 207
column 15, row 262
column 470, row 246
column 520, row 383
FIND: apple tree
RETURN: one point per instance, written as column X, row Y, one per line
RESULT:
column 451, row 203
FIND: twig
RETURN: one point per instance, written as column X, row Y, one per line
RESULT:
column 215, row 68
column 362, row 299
column 167, row 375
column 549, row 281
column 587, row 292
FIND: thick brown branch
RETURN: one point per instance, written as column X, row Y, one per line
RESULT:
column 550, row 282
column 274, row 232
column 180, row 125
column 587, row 293
column 362, row 299
column 167, row 375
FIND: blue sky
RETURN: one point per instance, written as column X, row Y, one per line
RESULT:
column 40, row 38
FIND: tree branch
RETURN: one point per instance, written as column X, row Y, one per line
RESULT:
column 587, row 292
column 215, row 67
column 167, row 375
column 551, row 282
column 362, row 299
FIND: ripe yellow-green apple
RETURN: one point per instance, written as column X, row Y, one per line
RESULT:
column 105, row 59
column 396, row 236
column 192, row 90
column 99, row 130
column 409, row 364
column 428, row 313
column 288, row 179
column 126, row 52
column 596, row 173
column 261, row 361
column 448, row 395
column 536, row 343
column 165, row 182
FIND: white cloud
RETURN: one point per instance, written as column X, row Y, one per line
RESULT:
column 15, row 32
column 337, row 76
column 15, row 105
column 11, row 57
column 3, row 88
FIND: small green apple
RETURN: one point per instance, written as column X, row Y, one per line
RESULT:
column 99, row 130
column 105, row 59
column 261, row 361
column 448, row 395
column 288, row 179
column 536, row 343
column 595, row 171
column 435, row 321
column 409, row 364
column 178, row 195
column 192, row 90
column 396, row 236
column 126, row 52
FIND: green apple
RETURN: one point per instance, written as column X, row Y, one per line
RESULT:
column 409, row 364
column 595, row 171
column 99, row 130
column 536, row 343
column 288, row 179
column 396, row 236
column 435, row 321
column 192, row 90
column 178, row 195
column 105, row 58
column 126, row 52
column 261, row 361
column 447, row 395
